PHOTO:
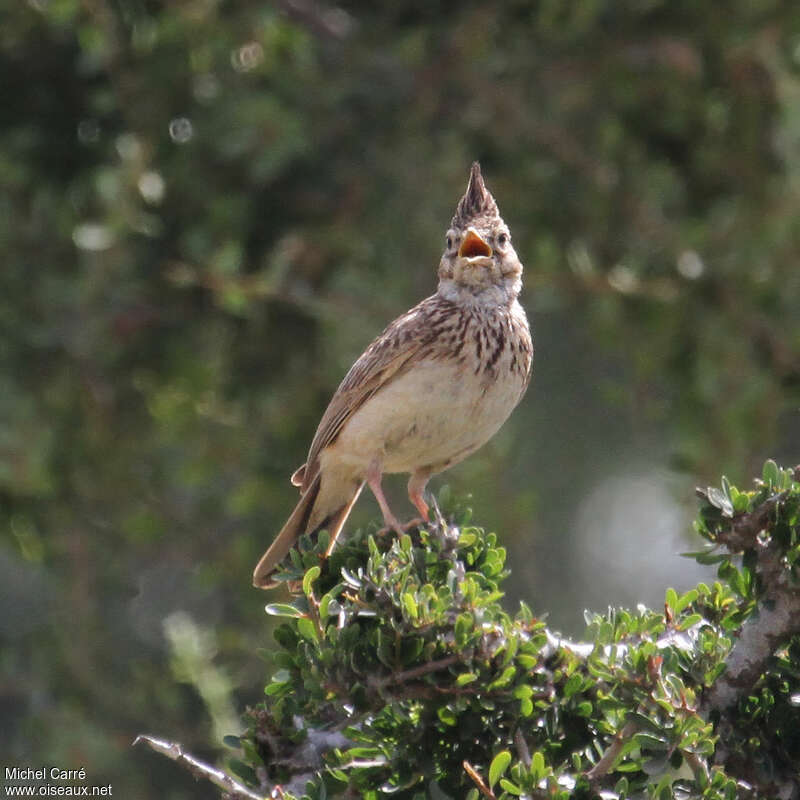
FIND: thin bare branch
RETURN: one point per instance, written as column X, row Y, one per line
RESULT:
column 421, row 670
column 478, row 781
column 175, row 751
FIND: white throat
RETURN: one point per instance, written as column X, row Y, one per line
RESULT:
column 496, row 294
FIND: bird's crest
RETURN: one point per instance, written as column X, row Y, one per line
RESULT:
column 476, row 202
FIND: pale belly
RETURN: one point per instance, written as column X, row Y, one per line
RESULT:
column 432, row 417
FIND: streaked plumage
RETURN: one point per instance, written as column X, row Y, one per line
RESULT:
column 430, row 390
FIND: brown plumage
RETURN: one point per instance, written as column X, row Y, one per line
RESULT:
column 430, row 390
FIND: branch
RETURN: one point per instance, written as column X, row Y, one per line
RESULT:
column 778, row 609
column 604, row 765
column 478, row 781
column 777, row 619
column 198, row 768
column 422, row 669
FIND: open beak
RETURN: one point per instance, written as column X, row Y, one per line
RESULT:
column 473, row 246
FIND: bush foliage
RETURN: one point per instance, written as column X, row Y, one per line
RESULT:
column 398, row 672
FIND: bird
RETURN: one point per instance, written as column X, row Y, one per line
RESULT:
column 431, row 389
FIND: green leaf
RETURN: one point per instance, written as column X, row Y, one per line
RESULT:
column 504, row 679
column 771, row 473
column 309, row 578
column 463, row 626
column 307, row 629
column 498, row 767
column 351, row 580
column 537, row 768
column 574, row 684
column 243, row 771
column 283, row 610
column 685, row 599
column 584, row 709
column 324, row 605
column 465, row 678
column 650, row 741
column 410, row 605
column 741, row 500
column 281, row 676
column 509, row 787
column 720, row 500
column 708, row 556
column 411, row 649
column 467, row 538
column 691, row 620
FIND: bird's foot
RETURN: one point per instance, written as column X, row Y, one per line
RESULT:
column 391, row 525
column 401, row 527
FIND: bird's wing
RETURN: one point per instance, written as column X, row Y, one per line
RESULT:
column 404, row 341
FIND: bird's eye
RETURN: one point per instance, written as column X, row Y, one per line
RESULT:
column 449, row 242
column 502, row 239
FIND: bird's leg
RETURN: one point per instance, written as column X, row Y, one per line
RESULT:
column 374, row 473
column 416, row 486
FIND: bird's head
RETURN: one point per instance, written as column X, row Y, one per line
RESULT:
column 479, row 258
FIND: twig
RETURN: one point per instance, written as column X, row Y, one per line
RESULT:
column 478, row 781
column 198, row 768
column 422, row 669
column 603, row 766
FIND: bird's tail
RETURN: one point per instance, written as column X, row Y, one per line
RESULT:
column 297, row 525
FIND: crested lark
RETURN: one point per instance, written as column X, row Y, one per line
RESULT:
column 430, row 390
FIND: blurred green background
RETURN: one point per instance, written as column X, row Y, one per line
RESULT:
column 209, row 208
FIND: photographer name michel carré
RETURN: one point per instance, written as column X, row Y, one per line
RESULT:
column 44, row 773
column 55, row 775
